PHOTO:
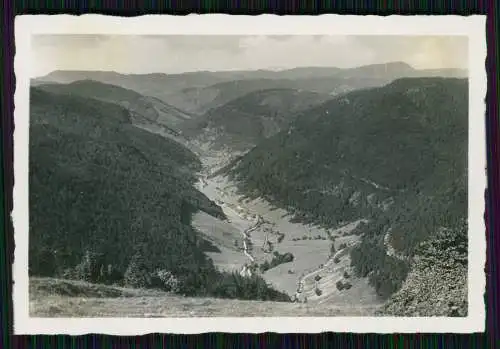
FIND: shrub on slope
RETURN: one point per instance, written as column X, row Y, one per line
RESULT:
column 437, row 284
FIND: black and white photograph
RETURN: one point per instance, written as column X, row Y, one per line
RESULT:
column 248, row 177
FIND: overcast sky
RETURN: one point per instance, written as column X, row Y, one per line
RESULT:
column 176, row 54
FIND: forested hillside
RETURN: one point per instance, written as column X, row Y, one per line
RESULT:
column 247, row 120
column 395, row 154
column 200, row 100
column 112, row 203
column 142, row 108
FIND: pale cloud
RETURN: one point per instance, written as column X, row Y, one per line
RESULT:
column 175, row 54
column 420, row 51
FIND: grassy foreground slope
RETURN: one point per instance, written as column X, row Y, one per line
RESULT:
column 395, row 154
column 67, row 298
column 112, row 203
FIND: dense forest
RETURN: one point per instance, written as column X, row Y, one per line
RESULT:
column 395, row 154
column 112, row 203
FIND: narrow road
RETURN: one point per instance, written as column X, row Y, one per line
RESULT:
column 246, row 236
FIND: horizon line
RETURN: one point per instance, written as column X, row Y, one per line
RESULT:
column 270, row 69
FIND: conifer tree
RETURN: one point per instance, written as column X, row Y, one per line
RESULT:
column 136, row 274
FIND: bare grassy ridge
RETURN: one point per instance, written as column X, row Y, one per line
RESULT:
column 63, row 298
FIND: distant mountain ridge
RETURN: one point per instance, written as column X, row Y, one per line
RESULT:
column 187, row 91
column 200, row 78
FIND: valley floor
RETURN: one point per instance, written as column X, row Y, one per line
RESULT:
column 310, row 246
column 63, row 298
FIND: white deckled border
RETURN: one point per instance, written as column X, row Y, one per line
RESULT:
column 473, row 26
